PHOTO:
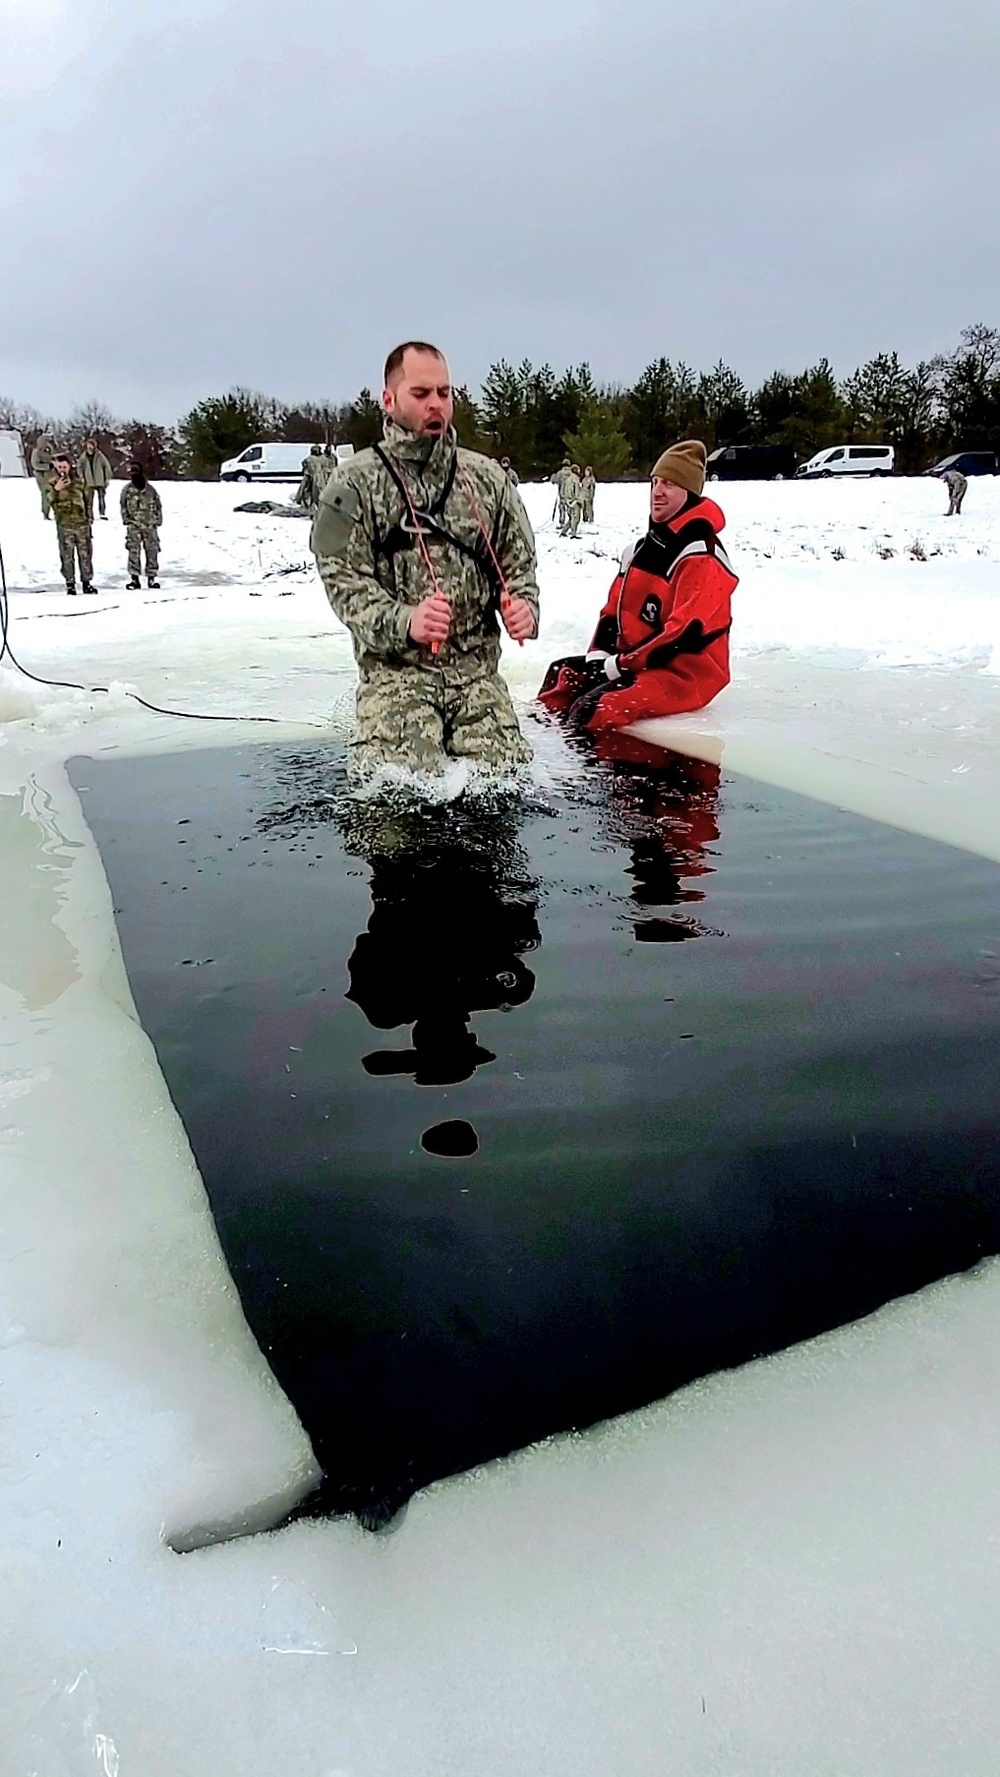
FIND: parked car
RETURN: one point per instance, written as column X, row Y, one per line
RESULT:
column 850, row 459
column 967, row 462
column 751, row 462
column 273, row 462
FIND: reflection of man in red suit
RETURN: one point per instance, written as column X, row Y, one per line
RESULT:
column 662, row 641
column 669, row 819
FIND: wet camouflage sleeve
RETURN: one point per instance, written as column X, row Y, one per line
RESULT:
column 342, row 543
column 516, row 549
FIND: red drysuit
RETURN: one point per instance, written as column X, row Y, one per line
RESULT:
column 662, row 641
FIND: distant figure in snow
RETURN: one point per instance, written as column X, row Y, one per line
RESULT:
column 956, row 484
column 69, row 509
column 559, row 478
column 588, row 485
column 42, row 459
column 509, row 470
column 94, row 471
column 572, row 503
column 662, row 641
column 314, row 479
column 142, row 516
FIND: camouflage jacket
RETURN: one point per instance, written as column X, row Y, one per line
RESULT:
column 374, row 570
column 560, row 476
column 571, row 489
column 588, row 481
column 69, row 505
column 94, row 471
column 141, row 507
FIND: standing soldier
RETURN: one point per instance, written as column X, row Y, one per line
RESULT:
column 560, row 478
column 142, row 516
column 588, row 485
column 509, row 470
column 42, row 459
column 956, row 484
column 421, row 546
column 572, row 499
column 314, row 479
column 69, row 509
column 94, row 471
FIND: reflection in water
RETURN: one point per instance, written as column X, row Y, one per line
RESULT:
column 669, row 819
column 453, row 912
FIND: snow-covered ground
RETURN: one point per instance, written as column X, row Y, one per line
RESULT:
column 793, row 1569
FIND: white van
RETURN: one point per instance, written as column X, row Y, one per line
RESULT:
column 273, row 462
column 12, row 459
column 850, row 459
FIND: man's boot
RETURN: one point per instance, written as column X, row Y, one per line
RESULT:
column 88, row 588
column 133, row 584
column 71, row 590
column 153, row 582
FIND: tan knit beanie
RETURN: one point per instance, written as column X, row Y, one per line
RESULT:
column 683, row 464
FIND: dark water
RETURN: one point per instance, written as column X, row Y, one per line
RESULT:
column 514, row 1119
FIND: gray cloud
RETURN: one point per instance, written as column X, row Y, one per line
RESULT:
column 218, row 192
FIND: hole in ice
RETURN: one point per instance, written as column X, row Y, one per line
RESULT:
column 454, row 1140
column 730, row 1055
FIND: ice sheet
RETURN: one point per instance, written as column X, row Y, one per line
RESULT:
column 790, row 1569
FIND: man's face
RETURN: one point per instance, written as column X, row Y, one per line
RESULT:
column 420, row 397
column 90, row 446
column 61, row 466
column 665, row 500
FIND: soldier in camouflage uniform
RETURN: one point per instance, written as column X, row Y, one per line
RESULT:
column 42, row 458
column 142, row 516
column 559, row 478
column 571, row 494
column 69, row 509
column 421, row 546
column 588, row 485
column 956, row 484
column 509, row 470
column 315, row 475
column 94, row 470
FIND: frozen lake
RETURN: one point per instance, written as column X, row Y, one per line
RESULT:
column 790, row 1567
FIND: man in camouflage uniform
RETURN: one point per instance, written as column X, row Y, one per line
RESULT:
column 588, row 485
column 559, row 478
column 94, row 470
column 42, row 458
column 571, row 494
column 421, row 546
column 69, row 509
column 142, row 516
column 315, row 475
column 509, row 470
column 956, row 484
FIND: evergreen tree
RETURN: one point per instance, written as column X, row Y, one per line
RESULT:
column 222, row 427
column 724, row 407
column 362, row 421
column 599, row 441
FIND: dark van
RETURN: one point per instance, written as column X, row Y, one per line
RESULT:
column 752, row 462
column 967, row 462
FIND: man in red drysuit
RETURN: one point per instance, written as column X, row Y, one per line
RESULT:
column 662, row 641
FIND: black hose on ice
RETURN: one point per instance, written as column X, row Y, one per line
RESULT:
column 7, row 652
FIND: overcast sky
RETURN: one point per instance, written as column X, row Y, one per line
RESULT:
column 206, row 192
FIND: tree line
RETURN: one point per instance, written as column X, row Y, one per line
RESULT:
column 536, row 416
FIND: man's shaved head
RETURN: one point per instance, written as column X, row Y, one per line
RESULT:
column 394, row 362
column 417, row 393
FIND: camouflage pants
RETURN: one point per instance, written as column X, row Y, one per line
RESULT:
column 43, row 484
column 571, row 524
column 75, row 545
column 138, row 539
column 419, row 717
column 954, row 502
column 588, row 508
